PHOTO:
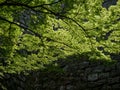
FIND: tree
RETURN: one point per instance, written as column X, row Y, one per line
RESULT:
column 37, row 32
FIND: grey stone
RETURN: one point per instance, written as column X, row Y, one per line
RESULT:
column 96, row 83
column 69, row 87
column 101, row 82
column 93, row 77
column 114, row 73
column 19, row 88
column 98, row 69
column 84, row 65
column 116, row 87
column 114, row 80
column 7, row 76
column 22, row 84
column 118, row 66
column 104, row 75
column 62, row 87
column 88, row 70
column 107, row 69
column 15, row 79
column 106, row 88
column 22, row 78
column 66, row 68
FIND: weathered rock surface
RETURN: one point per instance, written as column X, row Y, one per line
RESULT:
column 77, row 75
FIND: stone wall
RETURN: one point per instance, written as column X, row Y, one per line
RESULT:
column 70, row 75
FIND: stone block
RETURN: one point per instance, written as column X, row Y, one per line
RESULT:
column 97, row 84
column 114, row 73
column 62, row 87
column 116, row 86
column 104, row 75
column 93, row 77
column 19, row 88
column 88, row 70
column 69, row 87
column 114, row 80
column 105, row 87
column 98, row 69
column 118, row 66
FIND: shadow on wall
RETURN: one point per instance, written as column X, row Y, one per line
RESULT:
column 74, row 72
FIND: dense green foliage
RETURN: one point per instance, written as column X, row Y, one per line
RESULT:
column 36, row 32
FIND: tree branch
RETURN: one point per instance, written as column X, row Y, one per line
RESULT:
column 25, row 28
column 34, row 33
column 71, row 19
column 13, row 3
column 48, row 12
column 47, row 4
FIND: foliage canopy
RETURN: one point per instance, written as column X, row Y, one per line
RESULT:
column 36, row 32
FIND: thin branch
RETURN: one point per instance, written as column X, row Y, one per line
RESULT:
column 25, row 28
column 47, row 4
column 65, row 17
column 61, row 16
column 48, row 11
column 34, row 33
column 83, row 29
column 25, row 5
column 14, row 4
